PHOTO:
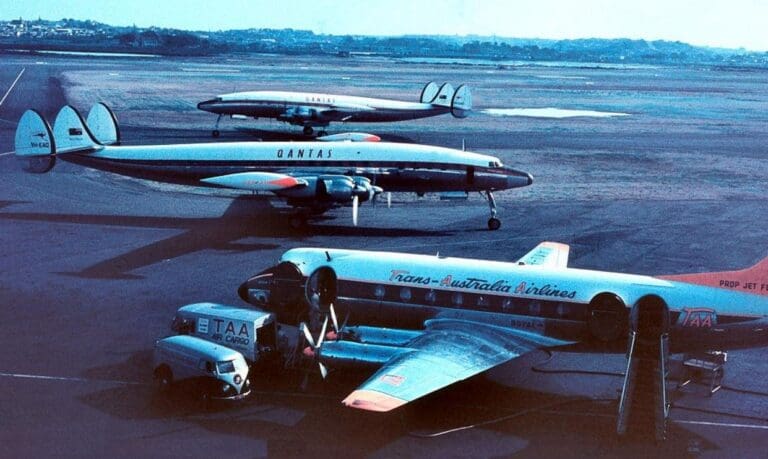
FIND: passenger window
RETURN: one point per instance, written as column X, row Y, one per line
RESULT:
column 405, row 294
column 430, row 297
column 457, row 299
column 378, row 292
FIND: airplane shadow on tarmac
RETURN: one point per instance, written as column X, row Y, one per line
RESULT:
column 247, row 216
column 456, row 419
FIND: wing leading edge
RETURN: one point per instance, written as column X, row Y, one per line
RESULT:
column 447, row 352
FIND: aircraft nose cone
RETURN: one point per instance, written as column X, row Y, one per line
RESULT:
column 207, row 105
column 518, row 179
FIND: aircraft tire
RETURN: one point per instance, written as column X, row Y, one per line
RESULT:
column 215, row 133
column 494, row 223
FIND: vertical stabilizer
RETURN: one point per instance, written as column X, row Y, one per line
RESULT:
column 429, row 93
column 71, row 133
column 103, row 124
column 750, row 280
column 461, row 103
column 34, row 143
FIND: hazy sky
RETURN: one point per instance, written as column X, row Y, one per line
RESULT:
column 722, row 23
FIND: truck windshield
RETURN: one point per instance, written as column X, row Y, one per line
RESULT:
column 226, row 367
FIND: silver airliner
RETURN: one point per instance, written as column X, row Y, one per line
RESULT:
column 424, row 322
column 312, row 176
column 319, row 110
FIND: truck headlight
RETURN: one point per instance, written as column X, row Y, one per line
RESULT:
column 238, row 379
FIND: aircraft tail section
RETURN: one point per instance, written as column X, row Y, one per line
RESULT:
column 429, row 93
column 461, row 102
column 34, row 143
column 444, row 95
column 750, row 280
column 103, row 124
column 71, row 132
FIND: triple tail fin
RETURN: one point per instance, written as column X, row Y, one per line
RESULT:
column 752, row 280
column 37, row 144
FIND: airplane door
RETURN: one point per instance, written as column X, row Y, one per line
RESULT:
column 471, row 175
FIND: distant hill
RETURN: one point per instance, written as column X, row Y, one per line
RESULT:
column 70, row 34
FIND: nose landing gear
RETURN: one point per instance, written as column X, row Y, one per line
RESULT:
column 493, row 222
column 215, row 133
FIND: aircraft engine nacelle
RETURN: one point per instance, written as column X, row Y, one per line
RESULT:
column 339, row 189
column 335, row 188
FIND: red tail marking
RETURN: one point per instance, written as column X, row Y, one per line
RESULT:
column 750, row 280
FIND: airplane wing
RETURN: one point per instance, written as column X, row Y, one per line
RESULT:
column 447, row 352
column 550, row 254
column 256, row 181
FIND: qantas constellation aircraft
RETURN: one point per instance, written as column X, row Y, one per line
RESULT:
column 319, row 110
column 312, row 176
column 429, row 321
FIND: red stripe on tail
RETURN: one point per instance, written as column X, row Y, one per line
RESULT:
column 750, row 280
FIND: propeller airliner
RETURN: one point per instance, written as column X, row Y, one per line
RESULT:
column 426, row 322
column 312, row 110
column 312, row 176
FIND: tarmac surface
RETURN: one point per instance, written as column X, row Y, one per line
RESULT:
column 93, row 266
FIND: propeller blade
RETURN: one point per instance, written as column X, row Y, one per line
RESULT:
column 322, row 333
column 323, row 370
column 334, row 320
column 307, row 335
column 355, row 207
column 389, row 200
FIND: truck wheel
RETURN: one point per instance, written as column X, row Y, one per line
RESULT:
column 164, row 379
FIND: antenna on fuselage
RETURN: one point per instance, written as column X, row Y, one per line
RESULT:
column 327, row 255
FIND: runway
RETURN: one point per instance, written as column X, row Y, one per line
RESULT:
column 93, row 266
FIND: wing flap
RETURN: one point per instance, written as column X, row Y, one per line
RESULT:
column 256, row 181
column 550, row 254
column 447, row 352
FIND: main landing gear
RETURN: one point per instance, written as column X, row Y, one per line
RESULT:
column 308, row 131
column 216, row 132
column 493, row 222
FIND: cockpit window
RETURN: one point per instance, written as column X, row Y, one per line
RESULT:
column 227, row 366
column 494, row 164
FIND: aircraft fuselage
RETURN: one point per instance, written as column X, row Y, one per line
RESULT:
column 590, row 307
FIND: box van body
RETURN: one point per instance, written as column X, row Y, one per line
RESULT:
column 220, row 372
column 251, row 332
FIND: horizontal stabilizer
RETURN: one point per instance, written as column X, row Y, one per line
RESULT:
column 350, row 137
column 256, row 181
column 461, row 103
column 429, row 93
column 103, row 124
column 444, row 96
column 34, row 142
column 71, row 132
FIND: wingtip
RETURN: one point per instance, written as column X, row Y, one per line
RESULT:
column 370, row 400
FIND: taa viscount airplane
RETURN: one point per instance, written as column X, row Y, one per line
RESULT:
column 426, row 322
column 312, row 176
column 319, row 110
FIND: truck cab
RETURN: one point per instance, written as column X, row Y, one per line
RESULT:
column 219, row 373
